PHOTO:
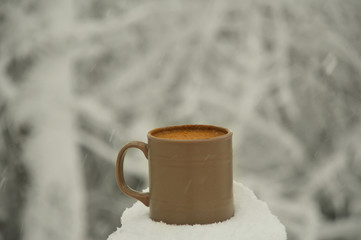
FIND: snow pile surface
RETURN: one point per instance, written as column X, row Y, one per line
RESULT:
column 252, row 221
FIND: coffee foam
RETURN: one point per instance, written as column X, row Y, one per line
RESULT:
column 188, row 134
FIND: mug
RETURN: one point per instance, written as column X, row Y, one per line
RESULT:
column 190, row 180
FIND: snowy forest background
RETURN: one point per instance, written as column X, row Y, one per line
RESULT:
column 79, row 79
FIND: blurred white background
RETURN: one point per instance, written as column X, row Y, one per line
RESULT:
column 79, row 79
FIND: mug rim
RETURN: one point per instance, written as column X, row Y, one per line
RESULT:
column 228, row 133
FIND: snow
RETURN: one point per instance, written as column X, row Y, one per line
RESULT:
column 252, row 221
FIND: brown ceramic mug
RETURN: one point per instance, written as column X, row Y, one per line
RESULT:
column 190, row 171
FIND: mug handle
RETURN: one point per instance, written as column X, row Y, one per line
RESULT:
column 143, row 197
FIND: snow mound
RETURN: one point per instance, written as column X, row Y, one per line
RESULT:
column 252, row 221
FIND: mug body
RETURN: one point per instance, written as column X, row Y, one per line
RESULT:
column 190, row 181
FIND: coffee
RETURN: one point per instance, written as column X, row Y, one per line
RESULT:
column 190, row 181
column 188, row 134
